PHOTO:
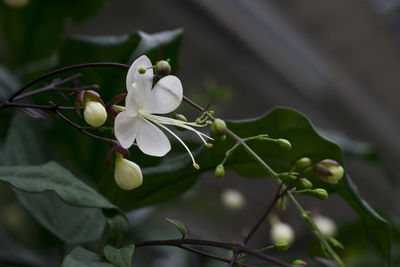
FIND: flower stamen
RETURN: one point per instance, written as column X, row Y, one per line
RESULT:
column 180, row 140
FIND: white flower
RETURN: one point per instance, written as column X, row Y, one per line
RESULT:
column 326, row 225
column 233, row 199
column 138, row 121
column 282, row 232
column 127, row 174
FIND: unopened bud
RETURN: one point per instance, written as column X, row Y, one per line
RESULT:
column 127, row 174
column 303, row 163
column 334, row 242
column 326, row 225
column 94, row 113
column 233, row 199
column 163, row 68
column 329, row 171
column 219, row 171
column 299, row 263
column 222, row 137
column 305, row 183
column 181, row 117
column 320, row 193
column 282, row 232
column 284, row 143
column 218, row 127
column 281, row 245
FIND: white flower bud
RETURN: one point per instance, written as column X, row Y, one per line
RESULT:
column 282, row 232
column 326, row 225
column 233, row 199
column 127, row 174
column 94, row 113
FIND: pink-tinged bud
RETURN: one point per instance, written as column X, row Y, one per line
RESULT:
column 329, row 171
column 127, row 174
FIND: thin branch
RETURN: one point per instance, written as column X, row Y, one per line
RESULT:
column 73, row 67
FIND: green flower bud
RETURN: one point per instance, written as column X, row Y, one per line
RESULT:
column 299, row 263
column 181, row 117
column 127, row 174
column 334, row 242
column 329, row 171
column 94, row 113
column 163, row 68
column 281, row 245
column 218, row 127
column 320, row 193
column 219, row 171
column 303, row 163
column 305, row 183
column 284, row 143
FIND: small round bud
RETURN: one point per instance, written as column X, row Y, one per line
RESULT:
column 222, row 137
column 218, row 127
column 284, row 143
column 94, row 113
column 299, row 263
column 219, row 171
column 281, row 245
column 329, row 171
column 181, row 117
column 303, row 163
column 233, row 199
column 163, row 68
column 305, row 183
column 320, row 193
column 142, row 70
column 326, row 225
column 127, row 174
column 282, row 232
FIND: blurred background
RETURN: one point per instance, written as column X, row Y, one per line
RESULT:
column 336, row 61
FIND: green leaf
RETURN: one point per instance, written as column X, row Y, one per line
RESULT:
column 74, row 225
column 119, row 257
column 178, row 225
column 35, row 31
column 53, row 177
column 80, row 257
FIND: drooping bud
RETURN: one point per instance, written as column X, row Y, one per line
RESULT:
column 281, row 245
column 127, row 174
column 320, row 193
column 329, row 171
column 282, row 232
column 284, row 143
column 326, row 225
column 299, row 263
column 303, row 163
column 233, row 199
column 163, row 68
column 94, row 113
column 218, row 127
column 305, row 183
column 219, row 171
column 180, row 117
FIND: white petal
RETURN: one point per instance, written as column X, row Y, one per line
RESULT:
column 165, row 97
column 131, row 103
column 151, row 140
column 126, row 128
column 142, row 83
